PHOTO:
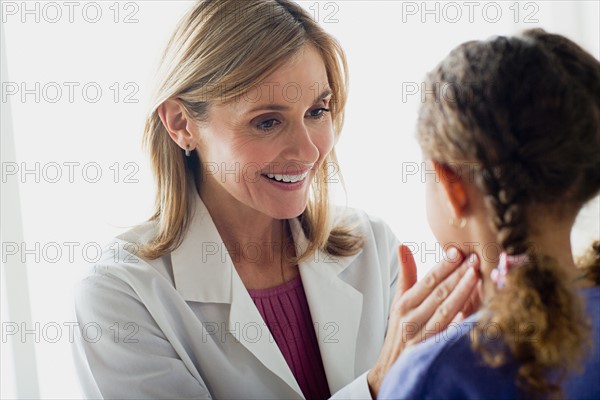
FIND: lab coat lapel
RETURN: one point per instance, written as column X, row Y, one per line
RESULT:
column 204, row 272
column 248, row 327
column 202, row 269
column 335, row 308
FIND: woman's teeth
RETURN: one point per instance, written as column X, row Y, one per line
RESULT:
column 288, row 178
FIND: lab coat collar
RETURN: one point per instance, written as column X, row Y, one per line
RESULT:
column 202, row 269
column 204, row 272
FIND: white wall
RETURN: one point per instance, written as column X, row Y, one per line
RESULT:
column 390, row 45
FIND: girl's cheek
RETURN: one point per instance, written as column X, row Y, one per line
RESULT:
column 436, row 214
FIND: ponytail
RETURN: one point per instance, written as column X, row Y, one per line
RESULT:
column 590, row 263
column 543, row 326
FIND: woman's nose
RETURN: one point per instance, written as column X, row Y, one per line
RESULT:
column 300, row 144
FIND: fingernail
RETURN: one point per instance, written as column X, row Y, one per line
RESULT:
column 452, row 254
column 473, row 261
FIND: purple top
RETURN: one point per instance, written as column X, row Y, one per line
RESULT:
column 445, row 367
column 285, row 311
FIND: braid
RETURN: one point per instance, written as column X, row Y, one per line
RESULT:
column 536, row 309
column 505, row 201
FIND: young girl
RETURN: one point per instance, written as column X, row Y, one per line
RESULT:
column 512, row 129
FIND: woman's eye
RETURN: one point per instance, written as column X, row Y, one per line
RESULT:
column 267, row 124
column 319, row 112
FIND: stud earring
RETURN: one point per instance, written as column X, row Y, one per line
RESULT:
column 462, row 222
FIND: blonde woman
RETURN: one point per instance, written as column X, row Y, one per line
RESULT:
column 245, row 283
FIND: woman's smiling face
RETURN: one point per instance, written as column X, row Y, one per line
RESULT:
column 263, row 149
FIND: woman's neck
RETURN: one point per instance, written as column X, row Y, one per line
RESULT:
column 249, row 235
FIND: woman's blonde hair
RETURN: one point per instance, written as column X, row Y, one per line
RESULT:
column 220, row 50
column 524, row 113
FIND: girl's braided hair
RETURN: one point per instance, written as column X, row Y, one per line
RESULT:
column 524, row 112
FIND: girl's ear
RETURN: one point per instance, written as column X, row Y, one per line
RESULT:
column 454, row 188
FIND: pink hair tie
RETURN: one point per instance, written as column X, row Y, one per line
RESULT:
column 505, row 264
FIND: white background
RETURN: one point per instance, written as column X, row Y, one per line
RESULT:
column 390, row 46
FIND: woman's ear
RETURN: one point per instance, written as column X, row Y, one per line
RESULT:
column 454, row 189
column 176, row 122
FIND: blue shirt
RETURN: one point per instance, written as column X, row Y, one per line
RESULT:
column 445, row 367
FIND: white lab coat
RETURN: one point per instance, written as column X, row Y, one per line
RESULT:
column 184, row 327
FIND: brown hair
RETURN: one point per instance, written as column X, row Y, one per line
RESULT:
column 219, row 51
column 524, row 114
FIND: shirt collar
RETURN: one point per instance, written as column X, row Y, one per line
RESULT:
column 203, row 269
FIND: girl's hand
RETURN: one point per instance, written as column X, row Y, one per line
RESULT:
column 448, row 293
